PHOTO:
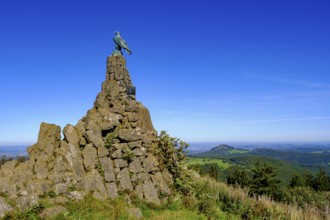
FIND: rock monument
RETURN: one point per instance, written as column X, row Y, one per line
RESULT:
column 110, row 151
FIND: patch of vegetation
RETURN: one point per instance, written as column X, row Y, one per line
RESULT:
column 250, row 193
column 4, row 159
column 304, row 157
column 221, row 163
column 264, row 181
column 50, row 194
column 72, row 188
column 99, row 168
column 110, row 138
column 238, row 151
column 91, row 208
column 3, row 195
column 127, row 154
column 171, row 154
column 32, row 213
column 171, row 210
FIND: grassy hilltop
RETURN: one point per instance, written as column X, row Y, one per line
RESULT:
column 211, row 189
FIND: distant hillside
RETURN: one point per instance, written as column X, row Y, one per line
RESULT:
column 320, row 159
column 312, row 160
column 222, row 150
column 222, row 147
column 13, row 151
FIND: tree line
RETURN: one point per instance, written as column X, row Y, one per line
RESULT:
column 263, row 180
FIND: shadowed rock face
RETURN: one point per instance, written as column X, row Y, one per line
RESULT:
column 109, row 150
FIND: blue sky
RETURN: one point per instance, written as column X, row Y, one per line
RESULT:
column 208, row 71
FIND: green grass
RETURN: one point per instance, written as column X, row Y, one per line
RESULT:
column 219, row 162
column 236, row 151
column 214, row 200
column 174, row 214
column 186, row 214
column 117, row 209
column 91, row 208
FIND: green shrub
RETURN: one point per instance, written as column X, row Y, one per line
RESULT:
column 127, row 154
column 171, row 156
column 110, row 138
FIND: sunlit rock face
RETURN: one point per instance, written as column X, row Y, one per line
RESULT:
column 110, row 151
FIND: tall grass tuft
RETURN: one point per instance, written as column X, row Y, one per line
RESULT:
column 238, row 202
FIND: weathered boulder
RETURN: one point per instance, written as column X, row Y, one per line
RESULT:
column 8, row 167
column 124, row 180
column 7, row 186
column 108, row 119
column 90, row 157
column 120, row 163
column 140, row 177
column 112, row 190
column 93, row 181
column 143, row 115
column 140, row 151
column 107, row 166
column 71, row 135
column 150, row 164
column 25, row 202
column 48, row 140
column 129, row 135
column 60, row 188
column 135, row 144
column 61, row 199
column 72, row 157
column 52, row 212
column 150, row 192
column 135, row 213
column 40, row 168
column 39, row 186
column 117, row 154
column 94, row 135
column 76, row 195
column 138, row 191
column 135, row 166
column 159, row 181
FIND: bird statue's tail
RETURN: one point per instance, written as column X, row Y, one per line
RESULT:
column 128, row 51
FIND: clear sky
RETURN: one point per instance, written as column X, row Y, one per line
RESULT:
column 208, row 71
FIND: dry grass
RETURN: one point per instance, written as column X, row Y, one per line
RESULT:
column 262, row 206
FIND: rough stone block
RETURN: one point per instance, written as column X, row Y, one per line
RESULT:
column 60, row 188
column 159, row 181
column 120, row 163
column 48, row 140
column 150, row 164
column 150, row 193
column 124, row 180
column 135, row 166
column 139, row 151
column 129, row 135
column 117, row 154
column 52, row 212
column 140, row 177
column 90, row 156
column 109, row 173
column 135, row 144
column 112, row 190
column 71, row 134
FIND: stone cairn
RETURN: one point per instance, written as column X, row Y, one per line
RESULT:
column 110, row 151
